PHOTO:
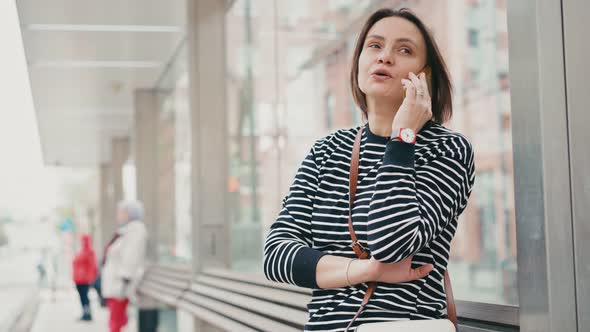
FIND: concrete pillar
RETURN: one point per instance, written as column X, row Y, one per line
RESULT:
column 120, row 154
column 107, row 206
column 206, row 31
column 206, row 72
column 111, row 188
column 145, row 147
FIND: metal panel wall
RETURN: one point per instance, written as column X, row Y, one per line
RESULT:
column 577, row 53
column 541, row 163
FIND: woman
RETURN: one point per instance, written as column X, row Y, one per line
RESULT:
column 124, row 262
column 84, row 273
column 414, row 179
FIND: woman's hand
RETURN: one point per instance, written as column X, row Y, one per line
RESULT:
column 396, row 272
column 416, row 109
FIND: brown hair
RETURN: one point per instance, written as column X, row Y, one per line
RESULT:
column 441, row 94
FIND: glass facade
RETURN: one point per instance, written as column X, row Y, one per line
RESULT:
column 166, row 180
column 182, row 169
column 174, row 158
column 287, row 86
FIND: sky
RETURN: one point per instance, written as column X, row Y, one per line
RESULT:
column 26, row 186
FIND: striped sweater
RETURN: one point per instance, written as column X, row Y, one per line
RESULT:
column 407, row 203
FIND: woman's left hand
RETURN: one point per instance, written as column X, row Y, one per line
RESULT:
column 416, row 109
column 396, row 272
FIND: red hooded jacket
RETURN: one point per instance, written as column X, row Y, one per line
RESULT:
column 84, row 265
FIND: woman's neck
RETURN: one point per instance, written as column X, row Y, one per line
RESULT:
column 381, row 113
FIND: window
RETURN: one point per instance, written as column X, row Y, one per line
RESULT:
column 305, row 95
column 174, row 158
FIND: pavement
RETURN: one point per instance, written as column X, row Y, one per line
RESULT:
column 18, row 283
column 60, row 310
column 59, row 306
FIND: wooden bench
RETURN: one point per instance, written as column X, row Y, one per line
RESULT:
column 230, row 300
column 237, row 301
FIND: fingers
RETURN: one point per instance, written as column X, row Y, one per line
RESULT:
column 420, row 97
column 408, row 259
column 422, row 77
column 410, row 90
column 416, row 81
column 416, row 87
column 420, row 85
column 425, row 270
column 401, row 271
column 422, row 271
column 416, row 273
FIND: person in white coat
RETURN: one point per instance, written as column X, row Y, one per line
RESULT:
column 124, row 262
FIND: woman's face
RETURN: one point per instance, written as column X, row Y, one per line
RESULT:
column 393, row 48
column 122, row 216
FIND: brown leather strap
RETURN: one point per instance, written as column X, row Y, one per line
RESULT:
column 451, row 309
column 368, row 294
column 359, row 250
column 363, row 253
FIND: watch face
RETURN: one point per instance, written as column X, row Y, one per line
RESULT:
column 407, row 135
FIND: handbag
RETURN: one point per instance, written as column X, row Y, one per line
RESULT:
column 434, row 325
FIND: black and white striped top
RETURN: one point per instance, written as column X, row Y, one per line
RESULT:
column 408, row 200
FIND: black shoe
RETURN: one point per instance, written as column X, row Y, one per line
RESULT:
column 86, row 316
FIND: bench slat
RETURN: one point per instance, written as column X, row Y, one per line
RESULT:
column 170, row 283
column 214, row 318
column 254, row 278
column 283, row 297
column 287, row 314
column 158, row 295
column 254, row 320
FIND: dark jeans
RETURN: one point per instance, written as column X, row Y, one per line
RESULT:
column 148, row 320
column 98, row 287
column 83, row 292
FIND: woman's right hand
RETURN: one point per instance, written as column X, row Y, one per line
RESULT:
column 396, row 272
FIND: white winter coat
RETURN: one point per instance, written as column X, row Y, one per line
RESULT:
column 125, row 259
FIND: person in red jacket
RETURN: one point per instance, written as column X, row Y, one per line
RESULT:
column 84, row 274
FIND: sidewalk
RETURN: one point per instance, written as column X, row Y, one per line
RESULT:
column 60, row 312
column 18, row 282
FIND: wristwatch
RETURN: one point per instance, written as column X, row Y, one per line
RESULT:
column 406, row 135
